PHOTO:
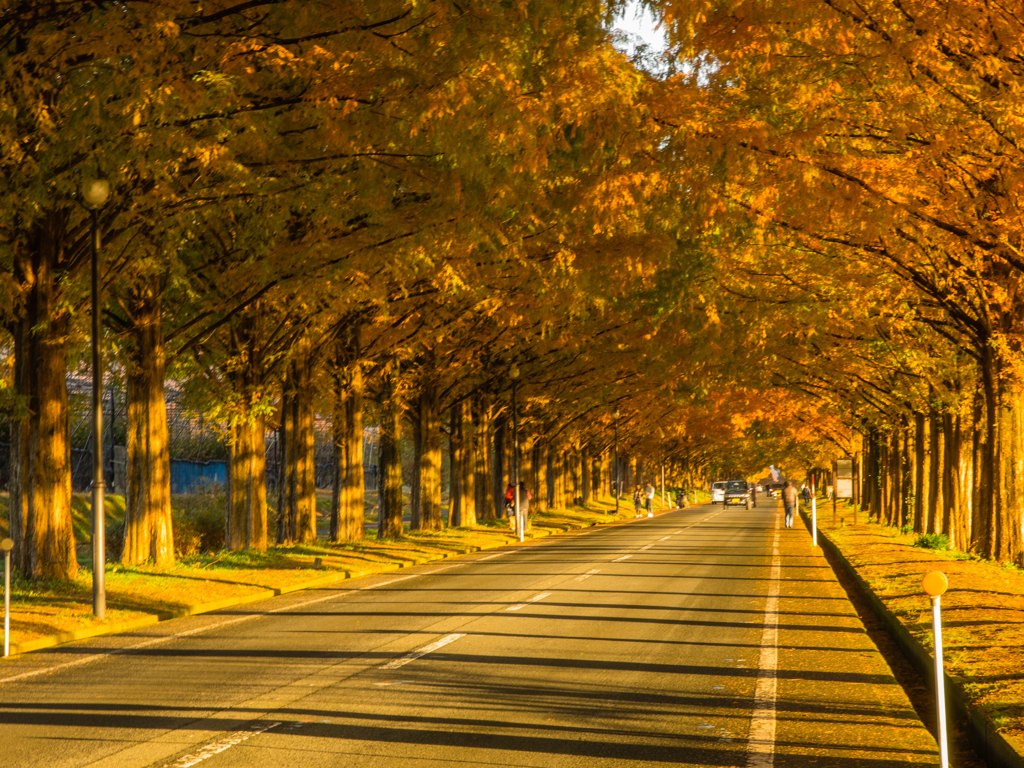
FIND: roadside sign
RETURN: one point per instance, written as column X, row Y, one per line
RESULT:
column 844, row 479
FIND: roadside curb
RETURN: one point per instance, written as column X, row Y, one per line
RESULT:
column 266, row 593
column 993, row 747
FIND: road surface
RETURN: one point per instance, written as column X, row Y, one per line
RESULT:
column 700, row 637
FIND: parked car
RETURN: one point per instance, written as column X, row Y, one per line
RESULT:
column 738, row 492
column 718, row 492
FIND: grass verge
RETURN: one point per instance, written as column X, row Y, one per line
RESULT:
column 983, row 610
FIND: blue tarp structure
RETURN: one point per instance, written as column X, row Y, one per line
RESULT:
column 187, row 476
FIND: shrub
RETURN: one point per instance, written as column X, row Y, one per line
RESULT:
column 198, row 520
column 932, row 541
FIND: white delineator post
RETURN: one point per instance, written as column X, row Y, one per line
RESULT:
column 814, row 522
column 934, row 585
column 7, row 545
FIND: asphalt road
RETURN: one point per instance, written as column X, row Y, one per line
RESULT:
column 701, row 637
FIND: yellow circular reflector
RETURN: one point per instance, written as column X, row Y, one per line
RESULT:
column 934, row 583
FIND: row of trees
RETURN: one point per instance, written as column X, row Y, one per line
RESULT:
column 333, row 208
column 864, row 162
column 795, row 238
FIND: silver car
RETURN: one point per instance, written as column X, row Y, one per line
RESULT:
column 718, row 492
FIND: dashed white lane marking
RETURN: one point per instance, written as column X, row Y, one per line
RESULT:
column 423, row 651
column 219, row 746
column 491, row 557
column 761, row 742
column 676, row 532
column 644, row 549
column 664, row 538
column 534, row 599
column 587, row 575
column 209, row 628
column 620, row 559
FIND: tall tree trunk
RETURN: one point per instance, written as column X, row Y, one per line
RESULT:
column 455, row 458
column 597, row 476
column 884, row 483
column 979, row 525
column 990, row 537
column 247, row 503
column 1011, row 473
column 297, row 418
column 921, row 460
column 467, row 433
column 285, row 523
column 147, row 520
column 484, row 485
column 960, row 525
column 500, row 467
column 348, row 514
column 392, row 504
column 540, row 476
column 586, row 473
column 906, row 488
column 430, row 458
column 40, row 486
column 415, row 488
column 935, row 451
column 950, row 474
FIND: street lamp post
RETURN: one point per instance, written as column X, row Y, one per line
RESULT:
column 520, row 522
column 618, row 483
column 95, row 193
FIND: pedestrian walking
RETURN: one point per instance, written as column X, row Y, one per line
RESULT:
column 524, row 498
column 638, row 502
column 789, row 500
column 649, row 496
column 510, row 503
column 805, row 494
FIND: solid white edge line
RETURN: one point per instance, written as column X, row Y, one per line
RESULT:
column 401, row 662
column 761, row 741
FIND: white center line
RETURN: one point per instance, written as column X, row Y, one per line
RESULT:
column 587, row 575
column 208, row 628
column 422, row 651
column 761, row 742
column 620, row 559
column 219, row 746
column 520, row 606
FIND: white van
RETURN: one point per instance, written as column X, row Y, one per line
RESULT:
column 717, row 492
